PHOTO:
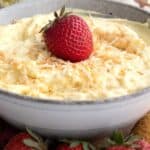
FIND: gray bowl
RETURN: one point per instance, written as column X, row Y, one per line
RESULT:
column 75, row 119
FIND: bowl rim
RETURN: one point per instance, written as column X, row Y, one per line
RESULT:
column 30, row 99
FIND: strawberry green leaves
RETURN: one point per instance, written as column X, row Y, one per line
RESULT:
column 118, row 139
column 35, row 142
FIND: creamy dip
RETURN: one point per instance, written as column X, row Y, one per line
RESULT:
column 119, row 64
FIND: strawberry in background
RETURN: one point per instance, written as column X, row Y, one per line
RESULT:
column 75, row 145
column 31, row 141
column 119, row 142
column 26, row 141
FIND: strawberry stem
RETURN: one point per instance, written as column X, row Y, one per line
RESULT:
column 57, row 16
column 62, row 11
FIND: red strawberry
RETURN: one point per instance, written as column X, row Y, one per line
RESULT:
column 75, row 145
column 26, row 141
column 143, row 145
column 119, row 148
column 67, row 147
column 68, row 37
column 16, row 143
column 118, row 142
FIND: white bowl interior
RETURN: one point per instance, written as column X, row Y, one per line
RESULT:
column 38, row 7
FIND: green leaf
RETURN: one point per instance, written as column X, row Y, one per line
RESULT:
column 46, row 26
column 118, row 137
column 67, row 14
column 31, row 143
column 85, row 146
column 34, row 136
column 62, row 11
column 74, row 144
column 131, row 139
column 110, row 142
column 56, row 15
